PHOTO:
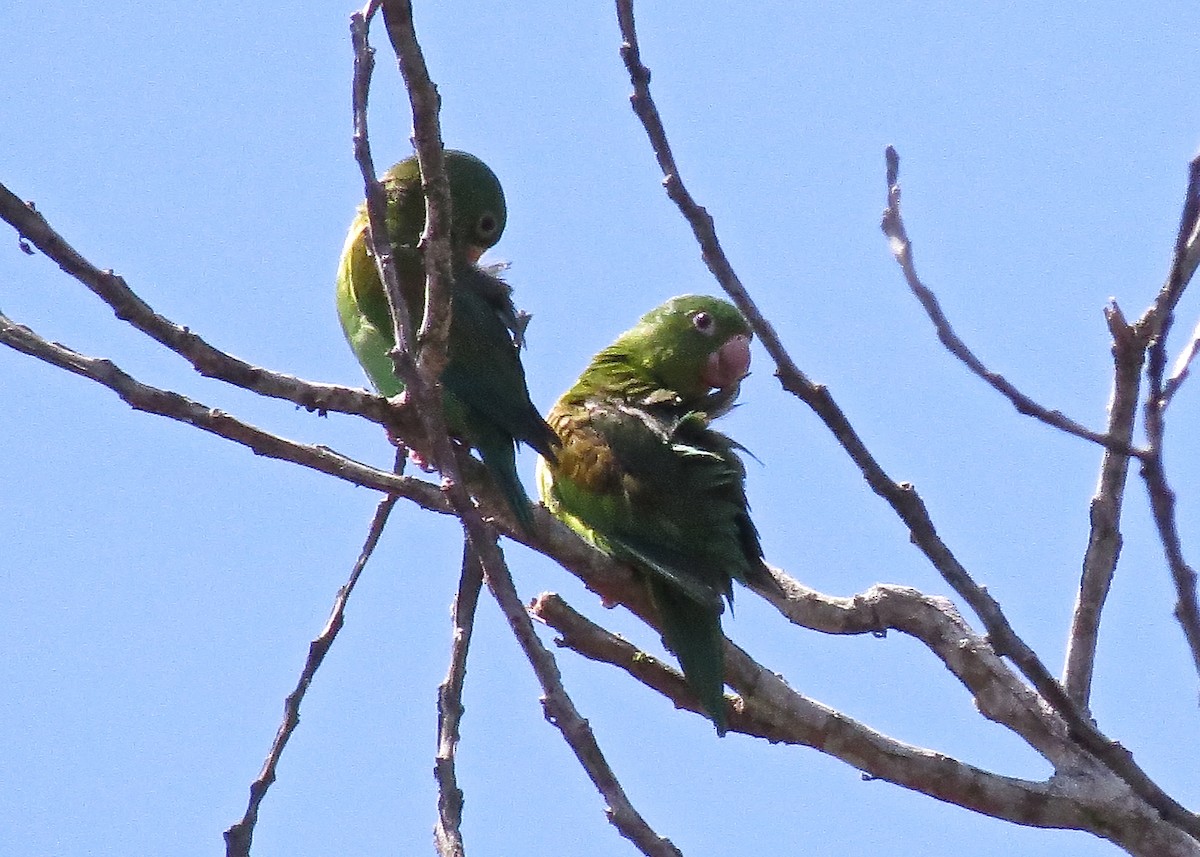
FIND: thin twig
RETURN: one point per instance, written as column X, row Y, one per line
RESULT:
column 376, row 203
column 1182, row 366
column 425, row 395
column 166, row 403
column 697, row 217
column 560, row 711
column 893, row 227
column 447, row 834
column 1160, row 318
column 206, row 359
column 902, row 497
column 427, row 139
column 239, row 836
column 1104, row 537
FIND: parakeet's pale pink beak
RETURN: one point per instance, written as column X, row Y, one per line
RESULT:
column 728, row 364
column 473, row 253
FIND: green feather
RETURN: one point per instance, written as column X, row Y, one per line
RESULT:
column 486, row 398
column 642, row 475
column 694, row 634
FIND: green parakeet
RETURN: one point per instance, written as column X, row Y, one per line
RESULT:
column 642, row 476
column 485, row 396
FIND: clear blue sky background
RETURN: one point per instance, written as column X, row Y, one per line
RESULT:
column 161, row 585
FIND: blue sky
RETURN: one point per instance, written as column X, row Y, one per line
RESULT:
column 162, row 584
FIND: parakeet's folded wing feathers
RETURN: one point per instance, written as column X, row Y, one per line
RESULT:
column 635, row 478
column 486, row 372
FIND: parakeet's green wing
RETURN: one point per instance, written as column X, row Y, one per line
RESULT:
column 363, row 311
column 668, row 494
column 485, row 371
column 487, row 400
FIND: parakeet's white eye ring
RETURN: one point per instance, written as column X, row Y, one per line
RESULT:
column 703, row 322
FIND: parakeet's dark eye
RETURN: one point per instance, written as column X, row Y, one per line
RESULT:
column 703, row 322
column 486, row 227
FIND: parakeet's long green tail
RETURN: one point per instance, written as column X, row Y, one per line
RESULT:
column 693, row 633
column 500, row 456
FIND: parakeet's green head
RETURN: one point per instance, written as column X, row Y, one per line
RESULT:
column 478, row 212
column 690, row 345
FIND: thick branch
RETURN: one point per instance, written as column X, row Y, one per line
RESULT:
column 770, row 709
column 998, row 692
column 1088, row 797
column 239, row 836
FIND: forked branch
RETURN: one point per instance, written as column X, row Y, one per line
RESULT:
column 902, row 497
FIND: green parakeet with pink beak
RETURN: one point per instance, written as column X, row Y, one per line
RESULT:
column 642, row 476
column 486, row 399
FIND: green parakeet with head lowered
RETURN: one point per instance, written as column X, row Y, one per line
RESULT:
column 485, row 396
column 642, row 476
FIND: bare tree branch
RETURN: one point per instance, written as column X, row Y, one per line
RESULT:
column 480, row 537
column 1182, row 366
column 239, row 836
column 425, row 394
column 770, row 709
column 447, row 833
column 893, row 228
column 1104, row 538
column 1159, row 318
column 998, row 692
column 382, row 249
column 581, row 635
column 427, row 139
column 901, row 496
column 560, row 711
column 153, row 400
column 207, row 360
column 1162, row 504
column 697, row 217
